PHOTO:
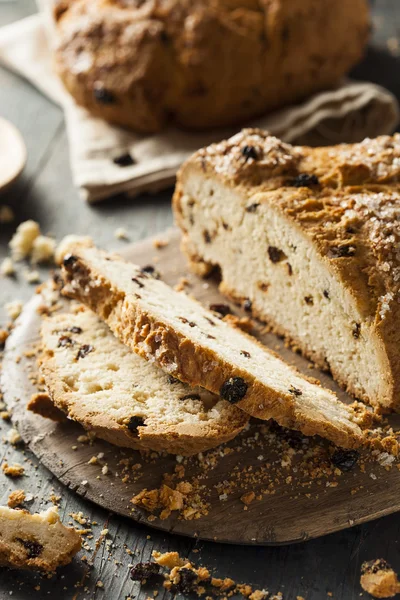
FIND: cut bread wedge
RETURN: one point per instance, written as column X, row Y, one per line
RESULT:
column 309, row 238
column 192, row 344
column 100, row 383
column 36, row 541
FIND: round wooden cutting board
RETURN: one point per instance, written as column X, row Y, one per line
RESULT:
column 287, row 508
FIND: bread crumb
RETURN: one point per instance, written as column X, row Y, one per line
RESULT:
column 15, row 470
column 6, row 214
column 13, row 437
column 31, row 276
column 3, row 337
column 43, row 248
column 121, row 233
column 21, row 242
column 13, row 309
column 248, row 498
column 159, row 243
column 16, row 498
column 379, row 579
column 7, row 267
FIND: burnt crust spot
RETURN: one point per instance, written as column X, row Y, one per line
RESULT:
column 295, row 391
column 234, row 389
column 144, row 570
column 303, row 180
column 345, row 459
column 252, row 208
column 247, row 305
column 84, row 351
column 275, row 254
column 102, row 94
column 33, row 549
column 250, row 152
column 222, row 309
column 124, row 160
column 134, row 423
column 69, row 260
column 342, row 251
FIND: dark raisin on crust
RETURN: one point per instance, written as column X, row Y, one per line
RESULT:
column 211, row 337
column 341, row 251
column 34, row 549
column 152, row 271
column 172, row 380
column 309, row 300
column 303, row 180
column 190, row 323
column 326, row 294
column 74, row 329
column 234, row 389
column 139, row 283
column 124, row 160
column 190, row 397
column 250, row 152
column 69, row 260
column 84, row 351
column 144, row 570
column 64, row 342
column 252, row 207
column 210, row 321
column 134, row 423
column 264, row 287
column 373, row 566
column 275, row 254
column 356, row 330
column 102, row 94
column 245, row 353
column 222, row 309
column 344, row 459
column 295, row 391
column 187, row 580
column 247, row 305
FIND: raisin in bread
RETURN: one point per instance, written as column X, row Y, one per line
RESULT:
column 36, row 541
column 309, row 237
column 100, row 383
column 194, row 345
column 144, row 63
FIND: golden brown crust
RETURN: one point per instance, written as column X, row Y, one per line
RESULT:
column 351, row 214
column 42, row 404
column 146, row 335
column 141, row 63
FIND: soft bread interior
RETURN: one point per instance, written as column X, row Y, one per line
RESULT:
column 264, row 256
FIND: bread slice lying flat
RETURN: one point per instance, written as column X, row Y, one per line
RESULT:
column 309, row 238
column 100, row 383
column 189, row 342
column 36, row 541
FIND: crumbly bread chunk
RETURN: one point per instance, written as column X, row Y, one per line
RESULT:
column 379, row 580
column 203, row 64
column 192, row 344
column 36, row 541
column 102, row 384
column 309, row 238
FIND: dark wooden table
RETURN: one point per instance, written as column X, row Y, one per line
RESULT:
column 323, row 568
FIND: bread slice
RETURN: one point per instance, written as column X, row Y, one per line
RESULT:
column 100, row 383
column 36, row 541
column 194, row 345
column 309, row 238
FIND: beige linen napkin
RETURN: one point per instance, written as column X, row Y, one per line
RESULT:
column 351, row 112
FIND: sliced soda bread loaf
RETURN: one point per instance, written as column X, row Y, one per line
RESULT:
column 309, row 239
column 100, row 383
column 36, row 541
column 191, row 343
